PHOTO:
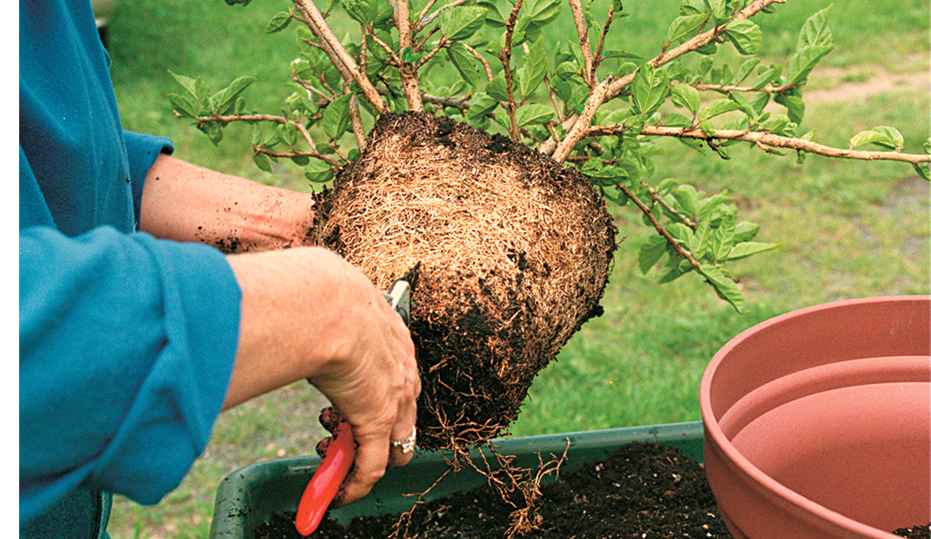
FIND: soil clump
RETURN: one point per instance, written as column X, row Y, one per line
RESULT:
column 508, row 253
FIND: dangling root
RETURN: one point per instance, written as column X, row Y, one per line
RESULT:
column 518, row 487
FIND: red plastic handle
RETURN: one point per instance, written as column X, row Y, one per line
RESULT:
column 326, row 481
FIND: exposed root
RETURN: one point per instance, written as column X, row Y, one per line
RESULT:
column 520, row 488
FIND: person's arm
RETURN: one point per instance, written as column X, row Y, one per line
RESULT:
column 306, row 313
column 185, row 202
column 126, row 348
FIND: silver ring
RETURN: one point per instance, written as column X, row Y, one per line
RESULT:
column 407, row 444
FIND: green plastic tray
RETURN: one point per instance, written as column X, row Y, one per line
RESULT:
column 247, row 497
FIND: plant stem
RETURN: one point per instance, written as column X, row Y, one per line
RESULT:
column 581, row 28
column 337, row 54
column 505, row 57
column 407, row 71
column 684, row 253
column 766, row 141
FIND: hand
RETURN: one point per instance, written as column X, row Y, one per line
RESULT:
column 307, row 313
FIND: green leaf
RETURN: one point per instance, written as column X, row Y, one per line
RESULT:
column 923, row 170
column 318, row 172
column 535, row 68
column 186, row 82
column 227, row 95
column 493, row 17
column 408, row 55
column 759, row 103
column 780, row 125
column 651, row 251
column 766, row 76
column 745, row 69
column 724, row 286
column 262, row 161
column 362, row 11
column 814, row 42
column 686, row 97
column 701, row 243
column 691, row 7
column 336, row 116
column 481, row 104
column 803, row 62
column 745, row 35
column 724, row 235
column 893, row 134
column 684, row 25
column 708, row 206
column 279, row 22
column 815, row 32
column 795, row 106
column 718, row 9
column 677, row 120
column 533, row 114
column 717, row 108
column 465, row 64
column 649, row 89
column 687, row 199
column 542, row 12
column 749, row 248
column 497, row 88
column 673, row 268
column 745, row 231
column 886, row 137
column 461, row 22
column 214, row 132
column 184, row 105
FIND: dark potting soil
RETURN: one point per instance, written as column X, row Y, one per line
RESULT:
column 641, row 491
column 915, row 532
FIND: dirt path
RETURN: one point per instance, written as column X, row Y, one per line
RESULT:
column 836, row 85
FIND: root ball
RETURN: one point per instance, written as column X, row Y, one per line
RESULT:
column 512, row 253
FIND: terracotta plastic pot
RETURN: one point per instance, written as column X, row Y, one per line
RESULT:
column 817, row 422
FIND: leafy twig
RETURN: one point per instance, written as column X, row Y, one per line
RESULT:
column 356, row 120
column 337, row 54
column 747, row 89
column 764, row 139
column 505, row 57
column 601, row 39
column 616, row 86
column 425, row 21
column 480, row 58
column 311, row 88
column 681, row 251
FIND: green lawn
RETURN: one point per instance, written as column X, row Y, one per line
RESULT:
column 846, row 229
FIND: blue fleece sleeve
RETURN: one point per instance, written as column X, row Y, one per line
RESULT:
column 142, row 151
column 126, row 349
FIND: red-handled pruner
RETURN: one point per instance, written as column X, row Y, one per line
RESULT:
column 326, row 481
column 341, row 451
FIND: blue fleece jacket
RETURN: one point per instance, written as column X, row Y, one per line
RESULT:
column 126, row 342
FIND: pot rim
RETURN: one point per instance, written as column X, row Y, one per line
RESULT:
column 744, row 466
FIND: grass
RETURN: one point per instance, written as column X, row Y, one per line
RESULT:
column 846, row 229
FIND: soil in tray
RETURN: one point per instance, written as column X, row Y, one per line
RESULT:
column 641, row 491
